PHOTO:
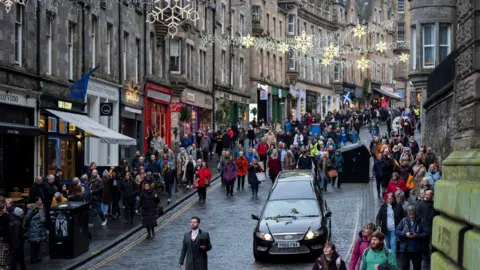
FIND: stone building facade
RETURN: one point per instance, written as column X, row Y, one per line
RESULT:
column 456, row 234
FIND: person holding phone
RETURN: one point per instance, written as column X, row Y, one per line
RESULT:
column 196, row 244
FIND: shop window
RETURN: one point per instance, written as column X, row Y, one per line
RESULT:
column 52, row 124
column 60, row 154
column 62, row 126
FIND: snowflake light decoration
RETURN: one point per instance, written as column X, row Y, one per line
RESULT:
column 172, row 15
column 326, row 61
column 381, row 47
column 248, row 41
column 331, row 51
column 359, row 31
column 403, row 58
column 283, row 48
column 303, row 42
column 363, row 63
column 9, row 3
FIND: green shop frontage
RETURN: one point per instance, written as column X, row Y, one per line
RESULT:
column 278, row 99
column 234, row 107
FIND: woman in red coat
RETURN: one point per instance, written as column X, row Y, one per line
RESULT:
column 204, row 175
column 274, row 166
column 242, row 166
column 394, row 185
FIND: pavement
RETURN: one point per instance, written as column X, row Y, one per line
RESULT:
column 104, row 237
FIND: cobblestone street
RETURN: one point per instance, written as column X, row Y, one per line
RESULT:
column 227, row 219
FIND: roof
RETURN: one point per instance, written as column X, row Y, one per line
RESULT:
column 285, row 190
column 298, row 175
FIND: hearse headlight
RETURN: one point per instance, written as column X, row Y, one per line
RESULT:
column 311, row 234
column 264, row 236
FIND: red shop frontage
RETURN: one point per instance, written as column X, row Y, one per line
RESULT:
column 157, row 113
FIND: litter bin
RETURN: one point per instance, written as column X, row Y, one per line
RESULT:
column 356, row 166
column 315, row 129
column 69, row 230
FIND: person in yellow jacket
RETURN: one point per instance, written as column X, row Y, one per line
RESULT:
column 58, row 199
column 313, row 149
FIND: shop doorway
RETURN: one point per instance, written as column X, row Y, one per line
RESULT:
column 16, row 161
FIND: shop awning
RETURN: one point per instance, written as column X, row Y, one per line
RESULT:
column 18, row 130
column 388, row 94
column 94, row 128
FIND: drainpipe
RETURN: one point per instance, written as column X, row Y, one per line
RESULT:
column 38, row 110
column 214, row 11
column 84, row 70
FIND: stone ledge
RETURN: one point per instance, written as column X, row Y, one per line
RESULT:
column 458, row 200
column 440, row 262
column 462, row 166
column 471, row 250
column 446, row 234
column 446, row 197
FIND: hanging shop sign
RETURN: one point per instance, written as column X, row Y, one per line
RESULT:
column 16, row 99
column 102, row 89
column 65, row 105
column 133, row 98
column 159, row 95
column 106, row 109
column 197, row 98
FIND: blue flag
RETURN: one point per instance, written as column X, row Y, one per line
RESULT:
column 78, row 90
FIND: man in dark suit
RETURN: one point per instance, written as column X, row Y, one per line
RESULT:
column 196, row 243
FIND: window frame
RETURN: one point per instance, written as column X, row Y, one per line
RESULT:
column 49, row 35
column 291, row 24
column 449, row 40
column 93, row 40
column 401, row 6
column 223, row 63
column 242, row 67
column 413, row 45
column 242, row 25
column 151, row 53
column 179, row 56
column 291, row 61
column 336, row 72
column 18, row 34
column 428, row 46
column 400, row 30
column 70, row 49
column 125, row 55
column 109, row 47
column 138, row 58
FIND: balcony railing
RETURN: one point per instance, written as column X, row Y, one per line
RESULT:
column 442, row 75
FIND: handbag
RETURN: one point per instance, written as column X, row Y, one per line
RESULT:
column 410, row 183
column 261, row 176
column 332, row 173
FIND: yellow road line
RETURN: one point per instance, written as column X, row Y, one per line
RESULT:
column 138, row 240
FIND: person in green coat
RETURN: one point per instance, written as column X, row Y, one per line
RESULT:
column 378, row 254
column 337, row 164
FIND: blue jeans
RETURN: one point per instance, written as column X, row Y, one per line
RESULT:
column 105, row 207
column 323, row 183
column 254, row 188
column 96, row 206
column 169, row 190
column 391, row 240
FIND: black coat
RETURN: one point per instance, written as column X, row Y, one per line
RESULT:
column 149, row 204
column 304, row 162
column 252, row 174
column 128, row 190
column 398, row 215
column 169, row 176
column 36, row 191
column 5, row 232
column 196, row 258
column 426, row 211
column 18, row 232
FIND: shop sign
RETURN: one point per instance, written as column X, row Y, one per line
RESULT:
column 16, row 99
column 175, row 107
column 191, row 97
column 100, row 89
column 262, row 87
column 106, row 109
column 386, row 88
column 65, row 105
column 159, row 95
column 263, row 94
column 132, row 97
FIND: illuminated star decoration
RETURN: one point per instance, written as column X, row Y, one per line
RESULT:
column 331, row 51
column 363, row 63
column 303, row 42
column 283, row 48
column 248, row 41
column 359, row 31
column 346, row 98
column 404, row 58
column 326, row 61
column 172, row 15
column 381, row 47
column 9, row 3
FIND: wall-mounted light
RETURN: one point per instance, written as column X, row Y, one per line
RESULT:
column 78, row 135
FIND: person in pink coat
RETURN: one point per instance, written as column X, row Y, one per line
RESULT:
column 362, row 243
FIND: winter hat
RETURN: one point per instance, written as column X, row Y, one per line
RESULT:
column 18, row 212
column 395, row 148
column 105, row 173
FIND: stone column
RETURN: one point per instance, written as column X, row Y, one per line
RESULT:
column 456, row 232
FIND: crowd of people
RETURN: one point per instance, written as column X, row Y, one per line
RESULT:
column 405, row 177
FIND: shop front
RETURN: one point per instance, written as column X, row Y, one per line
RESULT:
column 131, row 121
column 103, row 106
column 298, row 102
column 263, row 109
column 384, row 96
column 238, row 106
column 157, row 119
column 278, row 104
column 200, row 105
column 64, row 126
column 18, row 137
